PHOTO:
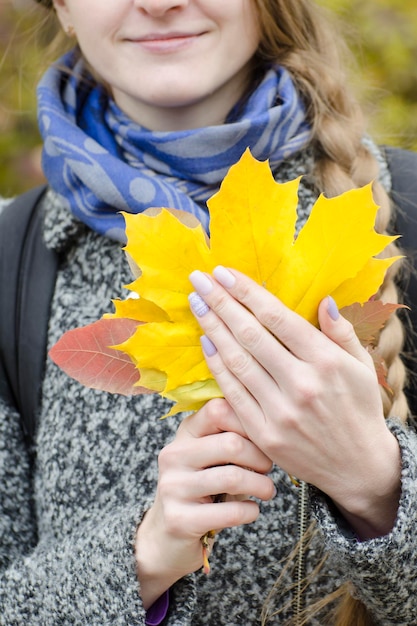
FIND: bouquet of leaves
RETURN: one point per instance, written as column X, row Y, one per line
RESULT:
column 151, row 342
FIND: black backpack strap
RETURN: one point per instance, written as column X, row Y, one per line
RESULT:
column 403, row 169
column 27, row 279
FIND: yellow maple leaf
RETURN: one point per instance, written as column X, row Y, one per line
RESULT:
column 252, row 229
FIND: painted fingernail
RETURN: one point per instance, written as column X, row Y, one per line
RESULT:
column 224, row 277
column 208, row 346
column 197, row 304
column 332, row 309
column 201, row 282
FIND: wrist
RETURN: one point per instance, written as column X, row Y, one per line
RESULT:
column 371, row 506
column 161, row 559
column 154, row 578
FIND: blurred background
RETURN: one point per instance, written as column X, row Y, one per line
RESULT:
column 381, row 33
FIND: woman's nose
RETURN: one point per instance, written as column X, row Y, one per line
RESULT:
column 158, row 8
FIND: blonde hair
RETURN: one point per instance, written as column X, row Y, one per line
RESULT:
column 301, row 37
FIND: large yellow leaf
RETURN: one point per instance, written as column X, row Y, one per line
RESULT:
column 366, row 282
column 165, row 248
column 139, row 309
column 193, row 396
column 252, row 220
column 174, row 348
column 334, row 247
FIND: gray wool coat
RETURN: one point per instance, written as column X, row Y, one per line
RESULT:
column 67, row 525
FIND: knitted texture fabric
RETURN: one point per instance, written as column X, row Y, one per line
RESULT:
column 67, row 526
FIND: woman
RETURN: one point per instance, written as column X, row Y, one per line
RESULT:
column 159, row 98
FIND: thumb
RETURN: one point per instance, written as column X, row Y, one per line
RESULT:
column 341, row 331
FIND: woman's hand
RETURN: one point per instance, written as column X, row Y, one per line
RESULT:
column 308, row 398
column 210, row 455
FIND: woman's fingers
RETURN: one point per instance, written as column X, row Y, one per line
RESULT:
column 222, row 449
column 242, row 388
column 214, row 417
column 252, row 314
column 221, row 515
column 202, row 484
column 210, row 455
column 295, row 334
column 341, row 332
column 204, row 460
column 247, row 351
column 217, row 420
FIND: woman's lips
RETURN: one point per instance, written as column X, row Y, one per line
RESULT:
column 169, row 42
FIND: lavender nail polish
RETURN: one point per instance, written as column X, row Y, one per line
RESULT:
column 208, row 346
column 332, row 309
column 201, row 282
column 197, row 304
column 224, row 276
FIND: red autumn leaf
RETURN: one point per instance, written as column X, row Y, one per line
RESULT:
column 85, row 355
column 369, row 318
column 380, row 368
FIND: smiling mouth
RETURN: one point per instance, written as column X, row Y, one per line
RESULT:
column 165, row 42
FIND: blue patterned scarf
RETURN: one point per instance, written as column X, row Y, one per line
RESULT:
column 101, row 162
